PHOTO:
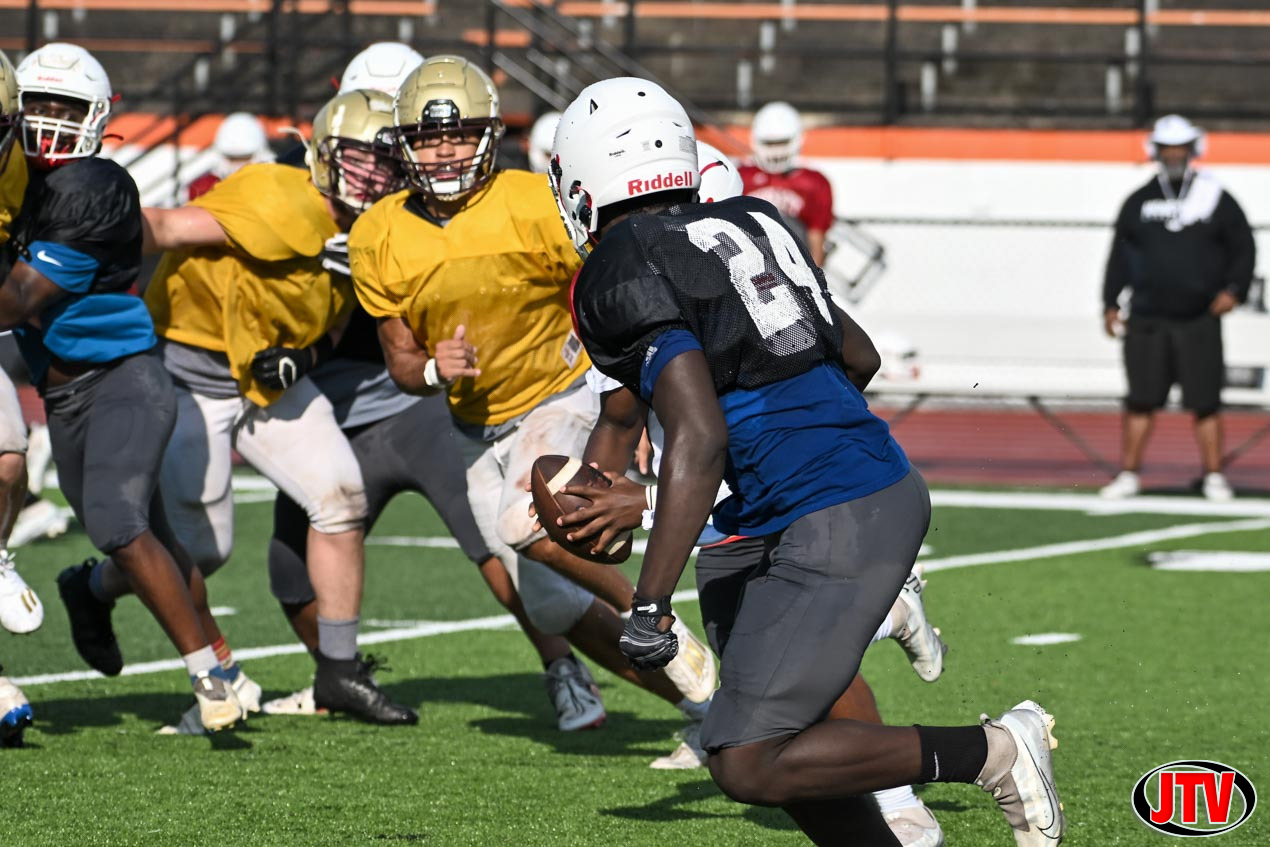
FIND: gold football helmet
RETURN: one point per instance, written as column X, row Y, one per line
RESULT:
column 351, row 156
column 447, row 102
column 10, row 111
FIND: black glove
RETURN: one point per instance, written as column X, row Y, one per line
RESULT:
column 642, row 643
column 282, row 367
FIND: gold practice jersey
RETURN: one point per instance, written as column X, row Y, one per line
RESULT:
column 266, row 288
column 13, row 179
column 501, row 267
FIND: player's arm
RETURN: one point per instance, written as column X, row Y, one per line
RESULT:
column 860, row 359
column 282, row 367
column 173, row 229
column 416, row 372
column 1118, row 272
column 816, row 245
column 25, row 294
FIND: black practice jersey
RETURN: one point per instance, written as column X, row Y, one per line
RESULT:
column 731, row 273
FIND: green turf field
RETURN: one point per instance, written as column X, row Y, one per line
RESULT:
column 1169, row 666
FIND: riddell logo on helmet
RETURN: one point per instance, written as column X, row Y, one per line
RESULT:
column 661, row 182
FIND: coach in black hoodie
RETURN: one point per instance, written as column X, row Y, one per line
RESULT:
column 1184, row 249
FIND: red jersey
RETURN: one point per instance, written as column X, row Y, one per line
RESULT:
column 801, row 194
column 202, row 185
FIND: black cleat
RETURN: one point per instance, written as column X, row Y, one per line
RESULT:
column 346, row 685
column 91, row 630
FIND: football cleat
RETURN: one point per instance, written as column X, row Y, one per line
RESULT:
column 39, row 519
column 299, row 703
column 574, row 694
column 218, row 706
column 348, row 685
column 693, row 670
column 915, row 826
column 91, row 629
column 20, row 610
column 248, row 692
column 1025, row 788
column 191, row 723
column 919, row 639
column 1217, row 488
column 688, row 755
column 15, row 714
column 1126, row 484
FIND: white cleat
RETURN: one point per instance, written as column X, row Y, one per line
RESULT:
column 574, row 695
column 15, row 714
column 299, row 703
column 1126, row 484
column 218, row 706
column 919, row 639
column 21, row 612
column 41, row 519
column 1025, row 790
column 1217, row 488
column 248, row 692
column 688, row 755
column 915, row 826
column 693, row 670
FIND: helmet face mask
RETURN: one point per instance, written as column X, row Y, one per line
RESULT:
column 65, row 98
column 351, row 157
column 619, row 140
column 447, row 128
column 10, row 111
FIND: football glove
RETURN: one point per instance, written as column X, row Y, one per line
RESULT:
column 645, row 646
column 280, row 368
column 335, row 255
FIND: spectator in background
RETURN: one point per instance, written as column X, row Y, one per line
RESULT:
column 802, row 195
column 240, row 141
column 1184, row 249
column 540, row 139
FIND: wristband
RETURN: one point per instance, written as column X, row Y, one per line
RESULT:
column 658, row 607
column 646, row 519
column 431, row 377
column 650, row 497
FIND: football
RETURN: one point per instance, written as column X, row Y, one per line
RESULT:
column 552, row 473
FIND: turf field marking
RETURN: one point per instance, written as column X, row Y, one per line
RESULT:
column 1220, row 561
column 1095, row 505
column 1115, row 542
column 1043, row 639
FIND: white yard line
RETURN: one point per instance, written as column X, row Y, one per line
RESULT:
column 429, row 629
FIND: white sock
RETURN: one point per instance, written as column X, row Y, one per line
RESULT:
column 884, row 629
column 202, row 659
column 894, row 799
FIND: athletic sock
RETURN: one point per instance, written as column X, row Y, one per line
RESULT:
column 95, row 584
column 546, row 665
column 888, row 627
column 226, row 658
column 694, row 711
column 338, row 639
column 952, row 753
column 202, row 660
column 894, row 799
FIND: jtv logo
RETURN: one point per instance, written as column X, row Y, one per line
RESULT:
column 1194, row 798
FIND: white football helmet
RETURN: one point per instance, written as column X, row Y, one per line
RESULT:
column 719, row 176
column 777, row 137
column 383, row 66
column 240, row 140
column 541, row 137
column 62, row 73
column 621, row 138
column 443, row 97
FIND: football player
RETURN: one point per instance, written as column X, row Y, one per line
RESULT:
column 469, row 257
column 240, row 141
column 20, row 609
column 802, row 195
column 89, row 345
column 715, row 316
column 245, row 310
column 402, row 442
column 380, row 67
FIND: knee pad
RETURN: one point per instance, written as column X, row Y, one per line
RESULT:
column 344, row 508
column 553, row 603
column 288, row 575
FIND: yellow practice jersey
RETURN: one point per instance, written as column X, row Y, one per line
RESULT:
column 502, row 268
column 13, row 179
column 267, row 287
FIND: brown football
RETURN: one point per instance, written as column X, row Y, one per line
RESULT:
column 552, row 473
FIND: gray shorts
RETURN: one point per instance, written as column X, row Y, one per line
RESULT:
column 792, row 626
column 109, row 429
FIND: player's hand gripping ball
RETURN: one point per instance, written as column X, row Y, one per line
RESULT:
column 547, row 477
